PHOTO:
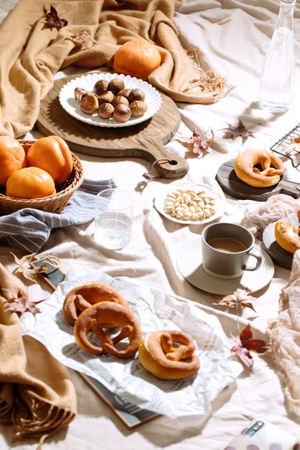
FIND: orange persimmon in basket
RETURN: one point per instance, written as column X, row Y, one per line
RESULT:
column 52, row 154
column 12, row 157
column 137, row 58
column 30, row 182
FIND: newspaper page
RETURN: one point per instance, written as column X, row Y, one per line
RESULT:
column 188, row 400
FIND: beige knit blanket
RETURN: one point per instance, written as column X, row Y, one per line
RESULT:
column 37, row 395
column 31, row 52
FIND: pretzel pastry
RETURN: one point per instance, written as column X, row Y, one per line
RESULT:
column 87, row 294
column 159, row 356
column 96, row 317
column 288, row 235
column 246, row 170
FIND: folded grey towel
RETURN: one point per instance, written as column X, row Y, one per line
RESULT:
column 29, row 229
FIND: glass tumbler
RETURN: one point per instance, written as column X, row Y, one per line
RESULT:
column 113, row 218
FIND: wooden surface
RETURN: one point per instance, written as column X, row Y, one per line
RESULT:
column 145, row 140
column 236, row 188
column 279, row 256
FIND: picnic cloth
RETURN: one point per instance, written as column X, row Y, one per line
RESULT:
column 31, row 52
column 29, row 229
column 37, row 395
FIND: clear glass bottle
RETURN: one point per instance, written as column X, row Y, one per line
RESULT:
column 277, row 77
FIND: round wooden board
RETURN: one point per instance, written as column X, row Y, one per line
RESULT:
column 145, row 140
column 236, row 188
column 279, row 256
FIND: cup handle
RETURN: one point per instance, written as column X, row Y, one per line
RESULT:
column 258, row 257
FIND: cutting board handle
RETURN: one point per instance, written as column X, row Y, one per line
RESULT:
column 163, row 162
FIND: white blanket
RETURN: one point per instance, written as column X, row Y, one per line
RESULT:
column 231, row 37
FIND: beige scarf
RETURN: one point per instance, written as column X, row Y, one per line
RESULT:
column 37, row 395
column 31, row 52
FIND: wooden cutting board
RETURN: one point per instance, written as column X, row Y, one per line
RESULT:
column 145, row 140
column 236, row 188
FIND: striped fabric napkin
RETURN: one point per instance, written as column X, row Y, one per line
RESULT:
column 29, row 229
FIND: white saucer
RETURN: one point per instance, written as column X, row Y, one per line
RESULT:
column 189, row 262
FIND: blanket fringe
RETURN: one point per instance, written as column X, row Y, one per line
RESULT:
column 208, row 81
column 32, row 422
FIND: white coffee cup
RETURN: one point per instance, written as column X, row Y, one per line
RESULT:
column 226, row 248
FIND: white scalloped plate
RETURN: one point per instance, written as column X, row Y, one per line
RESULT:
column 68, row 102
column 219, row 197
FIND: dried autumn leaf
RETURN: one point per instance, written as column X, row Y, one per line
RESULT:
column 198, row 141
column 244, row 343
column 238, row 298
column 83, row 39
column 53, row 20
column 21, row 304
column 242, row 353
column 233, row 132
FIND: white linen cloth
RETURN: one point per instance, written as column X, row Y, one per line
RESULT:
column 231, row 37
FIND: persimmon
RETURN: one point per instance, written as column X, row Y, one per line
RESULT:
column 12, row 157
column 30, row 182
column 137, row 58
column 52, row 154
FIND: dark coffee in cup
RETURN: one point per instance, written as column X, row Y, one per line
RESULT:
column 226, row 248
column 227, row 245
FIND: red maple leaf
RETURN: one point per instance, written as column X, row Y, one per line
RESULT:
column 53, row 20
column 20, row 304
column 244, row 343
column 233, row 132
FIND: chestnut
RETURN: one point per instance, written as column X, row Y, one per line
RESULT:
column 116, row 85
column 106, row 97
column 79, row 93
column 105, row 110
column 119, row 99
column 122, row 113
column 125, row 92
column 89, row 104
column 138, row 108
column 136, row 94
column 101, row 86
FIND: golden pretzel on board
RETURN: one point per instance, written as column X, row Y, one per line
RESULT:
column 87, row 294
column 288, row 235
column 159, row 355
column 96, row 318
column 258, row 168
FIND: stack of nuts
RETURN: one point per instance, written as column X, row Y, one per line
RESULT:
column 47, row 164
column 110, row 99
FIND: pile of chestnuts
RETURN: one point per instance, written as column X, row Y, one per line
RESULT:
column 110, row 99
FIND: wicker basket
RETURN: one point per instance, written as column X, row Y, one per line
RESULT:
column 54, row 203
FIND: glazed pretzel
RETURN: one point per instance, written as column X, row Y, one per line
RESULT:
column 96, row 317
column 288, row 235
column 159, row 356
column 272, row 167
column 87, row 294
